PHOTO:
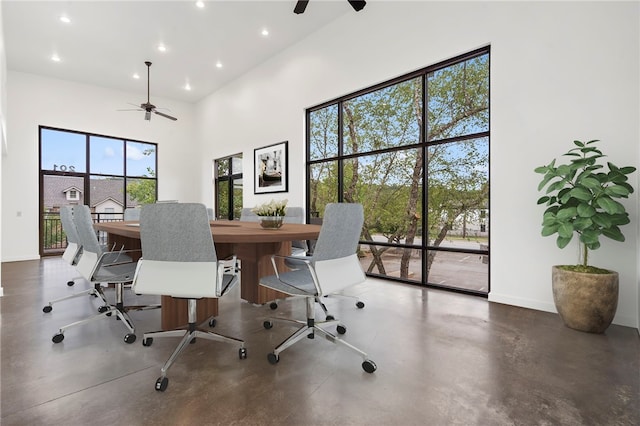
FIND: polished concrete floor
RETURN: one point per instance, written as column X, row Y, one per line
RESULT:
column 443, row 359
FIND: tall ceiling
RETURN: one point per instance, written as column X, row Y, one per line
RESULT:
column 106, row 42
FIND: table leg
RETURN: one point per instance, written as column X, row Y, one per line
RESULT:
column 256, row 263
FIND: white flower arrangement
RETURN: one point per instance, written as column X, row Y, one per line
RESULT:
column 272, row 208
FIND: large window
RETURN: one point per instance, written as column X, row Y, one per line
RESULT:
column 106, row 173
column 415, row 152
column 228, row 187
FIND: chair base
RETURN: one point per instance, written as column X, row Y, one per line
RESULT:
column 105, row 310
column 95, row 291
column 189, row 335
column 309, row 330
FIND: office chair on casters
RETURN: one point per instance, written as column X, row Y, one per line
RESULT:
column 179, row 260
column 333, row 267
column 301, row 249
column 72, row 255
column 99, row 266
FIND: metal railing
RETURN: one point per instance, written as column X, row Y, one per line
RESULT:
column 54, row 240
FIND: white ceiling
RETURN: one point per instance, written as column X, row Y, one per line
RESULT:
column 108, row 41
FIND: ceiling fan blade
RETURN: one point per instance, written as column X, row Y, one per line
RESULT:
column 300, row 7
column 165, row 115
column 357, row 5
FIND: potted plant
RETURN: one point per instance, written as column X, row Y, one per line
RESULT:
column 271, row 213
column 581, row 199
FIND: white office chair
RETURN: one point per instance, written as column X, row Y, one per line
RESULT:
column 179, row 260
column 333, row 267
column 72, row 255
column 98, row 266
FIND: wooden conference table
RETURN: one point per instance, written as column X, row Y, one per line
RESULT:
column 248, row 240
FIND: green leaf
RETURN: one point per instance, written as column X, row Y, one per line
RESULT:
column 581, row 193
column 614, row 233
column 555, row 186
column 567, row 213
column 582, row 223
column 565, row 230
column 549, row 230
column 545, row 180
column 541, row 169
column 619, row 219
column 578, row 143
column 617, row 191
column 590, row 236
column 603, row 220
column 585, row 210
column 543, row 200
column 594, row 245
column 562, row 242
column 627, row 170
column 590, row 182
column 610, row 206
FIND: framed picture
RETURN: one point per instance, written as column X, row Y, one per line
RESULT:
column 271, row 168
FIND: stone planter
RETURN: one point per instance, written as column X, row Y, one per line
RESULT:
column 585, row 302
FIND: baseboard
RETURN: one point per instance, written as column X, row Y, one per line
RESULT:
column 623, row 320
column 19, row 259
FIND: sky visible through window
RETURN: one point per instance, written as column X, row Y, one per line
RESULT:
column 66, row 152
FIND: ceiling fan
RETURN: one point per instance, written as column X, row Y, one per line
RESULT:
column 301, row 5
column 148, row 107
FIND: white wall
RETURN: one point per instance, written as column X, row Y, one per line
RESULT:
column 559, row 72
column 33, row 100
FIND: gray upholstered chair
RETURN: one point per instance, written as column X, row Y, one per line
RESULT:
column 296, row 215
column 72, row 255
column 179, row 260
column 131, row 213
column 101, row 267
column 246, row 215
column 333, row 267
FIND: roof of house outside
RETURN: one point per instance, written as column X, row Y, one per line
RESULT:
column 55, row 188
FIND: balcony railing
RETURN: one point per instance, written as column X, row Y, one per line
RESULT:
column 54, row 240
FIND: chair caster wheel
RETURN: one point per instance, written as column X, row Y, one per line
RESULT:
column 273, row 358
column 267, row 324
column 369, row 366
column 359, row 304
column 242, row 353
column 57, row 338
column 47, row 309
column 161, row 384
column 70, row 283
column 129, row 338
column 103, row 309
column 341, row 329
column 273, row 306
column 147, row 341
column 330, row 318
column 212, row 322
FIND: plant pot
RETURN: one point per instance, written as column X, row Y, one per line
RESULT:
column 585, row 302
column 271, row 222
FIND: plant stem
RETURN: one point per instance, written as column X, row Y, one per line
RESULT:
column 585, row 255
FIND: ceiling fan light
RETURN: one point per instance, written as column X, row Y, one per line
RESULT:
column 147, row 115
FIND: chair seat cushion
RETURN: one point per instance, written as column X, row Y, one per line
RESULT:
column 295, row 283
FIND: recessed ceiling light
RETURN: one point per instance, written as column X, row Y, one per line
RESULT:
column 136, row 76
column 162, row 47
column 265, row 32
column 65, row 19
column 200, row 4
column 55, row 58
column 218, row 64
column 187, row 87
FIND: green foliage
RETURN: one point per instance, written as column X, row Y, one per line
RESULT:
column 143, row 190
column 580, row 198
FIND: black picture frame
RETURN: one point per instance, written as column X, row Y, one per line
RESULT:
column 271, row 168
